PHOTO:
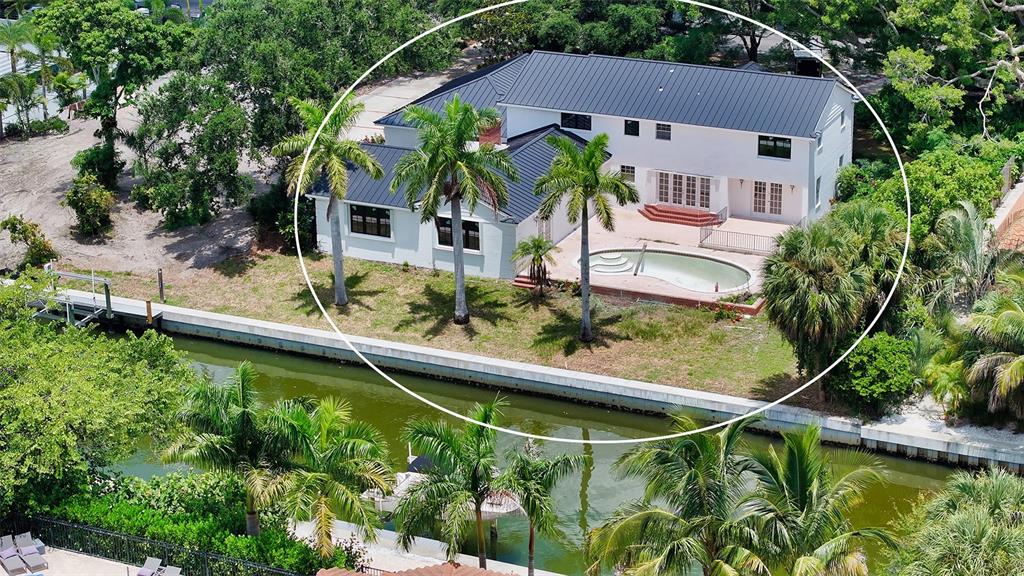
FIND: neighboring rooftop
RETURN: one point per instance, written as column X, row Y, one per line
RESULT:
column 732, row 98
column 530, row 153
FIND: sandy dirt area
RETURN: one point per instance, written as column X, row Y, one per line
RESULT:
column 35, row 174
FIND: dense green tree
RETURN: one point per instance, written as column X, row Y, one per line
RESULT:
column 92, row 204
column 271, row 50
column 971, row 528
column 188, row 145
column 450, row 499
column 331, row 460
column 224, row 429
column 532, row 478
column 450, row 168
column 577, row 180
column 38, row 250
column 121, row 50
column 70, row 87
column 74, row 399
column 699, row 509
column 330, row 157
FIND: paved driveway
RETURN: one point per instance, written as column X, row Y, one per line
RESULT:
column 382, row 99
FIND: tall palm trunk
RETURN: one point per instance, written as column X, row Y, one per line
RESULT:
column 529, row 560
column 461, row 309
column 252, row 516
column 586, row 331
column 14, row 60
column 481, row 546
column 334, row 215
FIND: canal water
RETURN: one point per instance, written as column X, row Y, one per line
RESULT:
column 583, row 501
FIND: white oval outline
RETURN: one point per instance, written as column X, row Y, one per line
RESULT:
column 724, row 423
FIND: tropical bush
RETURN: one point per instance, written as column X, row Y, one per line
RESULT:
column 877, row 376
column 273, row 213
column 38, row 250
column 101, row 161
column 92, row 204
column 198, row 511
column 973, row 527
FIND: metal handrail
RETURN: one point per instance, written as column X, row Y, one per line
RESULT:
column 640, row 260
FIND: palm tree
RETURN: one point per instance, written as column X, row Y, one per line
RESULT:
column 3, row 108
column 20, row 90
column 814, row 291
column 964, row 261
column 811, row 502
column 450, row 167
column 332, row 460
column 330, row 158
column 998, row 322
column 46, row 45
column 16, row 8
column 14, row 35
column 532, row 478
column 711, row 515
column 576, row 178
column 224, row 431
column 458, row 484
column 537, row 252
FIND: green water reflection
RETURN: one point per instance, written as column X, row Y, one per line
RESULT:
column 582, row 501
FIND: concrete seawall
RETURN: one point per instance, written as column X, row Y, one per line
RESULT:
column 942, row 444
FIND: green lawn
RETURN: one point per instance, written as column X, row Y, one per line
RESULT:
column 663, row 344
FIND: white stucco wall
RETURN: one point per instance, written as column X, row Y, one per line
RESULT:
column 724, row 155
column 836, row 144
column 416, row 243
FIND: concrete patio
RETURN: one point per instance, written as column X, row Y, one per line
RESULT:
column 65, row 563
column 633, row 230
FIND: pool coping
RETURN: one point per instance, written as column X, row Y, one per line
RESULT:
column 613, row 392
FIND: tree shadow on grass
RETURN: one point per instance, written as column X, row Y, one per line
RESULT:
column 562, row 332
column 771, row 388
column 357, row 296
column 237, row 266
column 436, row 308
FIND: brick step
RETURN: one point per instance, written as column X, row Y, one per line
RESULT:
column 686, row 217
column 523, row 281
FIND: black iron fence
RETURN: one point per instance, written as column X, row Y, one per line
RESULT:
column 713, row 237
column 133, row 550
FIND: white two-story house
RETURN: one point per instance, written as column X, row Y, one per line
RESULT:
column 702, row 144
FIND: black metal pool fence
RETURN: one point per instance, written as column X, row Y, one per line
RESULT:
column 133, row 550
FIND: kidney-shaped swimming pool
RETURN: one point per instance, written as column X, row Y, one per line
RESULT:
column 689, row 271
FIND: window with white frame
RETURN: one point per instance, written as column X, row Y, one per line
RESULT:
column 632, row 128
column 817, row 192
column 662, row 186
column 370, row 221
column 677, row 188
column 663, row 131
column 842, row 119
column 760, row 196
column 775, row 199
column 818, row 141
column 705, row 193
column 691, row 190
column 628, row 173
column 774, row 147
column 575, row 121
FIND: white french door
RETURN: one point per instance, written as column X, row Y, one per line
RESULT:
column 684, row 190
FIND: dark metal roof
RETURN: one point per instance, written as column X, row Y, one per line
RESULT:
column 482, row 89
column 362, row 188
column 727, row 98
column 530, row 153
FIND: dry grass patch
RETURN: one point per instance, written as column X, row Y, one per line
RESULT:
column 656, row 343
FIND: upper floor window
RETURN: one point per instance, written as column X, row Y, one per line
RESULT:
column 632, row 128
column 774, row 147
column 575, row 121
column 842, row 119
column 818, row 140
column 817, row 192
column 370, row 221
column 663, row 131
column 628, row 173
column 470, row 233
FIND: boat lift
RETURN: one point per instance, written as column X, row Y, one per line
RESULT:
column 70, row 313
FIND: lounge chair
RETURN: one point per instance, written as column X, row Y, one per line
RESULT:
column 25, row 540
column 171, row 571
column 35, row 562
column 6, row 542
column 151, row 567
column 13, row 565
